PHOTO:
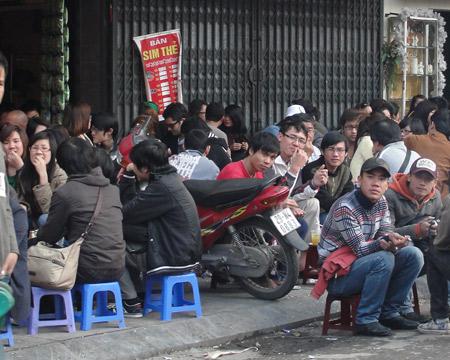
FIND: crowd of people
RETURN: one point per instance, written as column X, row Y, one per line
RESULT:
column 375, row 188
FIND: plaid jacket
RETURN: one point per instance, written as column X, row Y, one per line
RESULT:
column 356, row 222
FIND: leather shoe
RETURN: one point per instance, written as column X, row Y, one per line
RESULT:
column 372, row 329
column 419, row 318
column 400, row 323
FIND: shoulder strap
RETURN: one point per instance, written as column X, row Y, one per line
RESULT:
column 95, row 214
column 405, row 162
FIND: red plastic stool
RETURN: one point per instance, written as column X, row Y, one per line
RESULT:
column 346, row 321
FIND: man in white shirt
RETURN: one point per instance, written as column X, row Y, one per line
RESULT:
column 388, row 145
column 293, row 138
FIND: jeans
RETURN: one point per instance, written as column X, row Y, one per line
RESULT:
column 322, row 217
column 383, row 280
column 311, row 207
column 42, row 219
column 438, row 274
column 423, row 245
column 303, row 229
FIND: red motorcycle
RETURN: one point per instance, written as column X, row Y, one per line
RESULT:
column 246, row 235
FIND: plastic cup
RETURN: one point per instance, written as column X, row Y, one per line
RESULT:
column 315, row 237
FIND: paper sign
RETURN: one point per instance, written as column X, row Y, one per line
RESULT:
column 161, row 61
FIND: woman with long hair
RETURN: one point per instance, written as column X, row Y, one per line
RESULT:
column 14, row 141
column 234, row 126
column 364, row 145
column 416, row 99
column 35, row 125
column 41, row 175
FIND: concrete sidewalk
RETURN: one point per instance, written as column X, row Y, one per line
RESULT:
column 228, row 313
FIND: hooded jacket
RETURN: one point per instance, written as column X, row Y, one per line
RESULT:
column 406, row 212
column 167, row 216
column 71, row 209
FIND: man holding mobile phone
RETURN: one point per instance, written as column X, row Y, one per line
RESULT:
column 415, row 208
column 379, row 263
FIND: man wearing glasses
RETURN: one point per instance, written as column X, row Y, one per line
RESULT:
column 293, row 137
column 334, row 149
column 174, row 116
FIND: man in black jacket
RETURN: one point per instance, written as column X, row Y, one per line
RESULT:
column 334, row 150
column 161, row 225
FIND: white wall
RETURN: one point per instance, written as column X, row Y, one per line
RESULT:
column 394, row 6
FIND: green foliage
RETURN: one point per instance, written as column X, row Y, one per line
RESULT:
column 391, row 57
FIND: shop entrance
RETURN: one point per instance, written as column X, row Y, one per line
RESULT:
column 20, row 41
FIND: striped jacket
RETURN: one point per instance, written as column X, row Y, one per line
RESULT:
column 354, row 221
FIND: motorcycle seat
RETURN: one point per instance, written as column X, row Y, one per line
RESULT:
column 225, row 193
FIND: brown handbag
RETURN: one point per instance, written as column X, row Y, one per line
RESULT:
column 56, row 268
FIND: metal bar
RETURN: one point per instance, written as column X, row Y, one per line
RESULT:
column 425, row 78
column 198, row 46
column 325, row 65
column 380, row 45
column 405, row 28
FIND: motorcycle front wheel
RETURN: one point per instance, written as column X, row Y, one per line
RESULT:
column 282, row 274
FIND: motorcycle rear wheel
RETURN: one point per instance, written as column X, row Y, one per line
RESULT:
column 283, row 271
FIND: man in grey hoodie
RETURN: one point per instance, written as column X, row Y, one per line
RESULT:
column 415, row 206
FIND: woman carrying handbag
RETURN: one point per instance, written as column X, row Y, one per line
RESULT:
column 72, row 209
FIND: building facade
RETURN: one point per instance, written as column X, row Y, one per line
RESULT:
column 260, row 54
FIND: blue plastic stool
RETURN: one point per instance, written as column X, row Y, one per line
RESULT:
column 35, row 322
column 8, row 334
column 172, row 298
column 102, row 314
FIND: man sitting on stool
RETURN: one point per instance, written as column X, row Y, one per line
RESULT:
column 359, row 223
column 160, row 224
column 415, row 205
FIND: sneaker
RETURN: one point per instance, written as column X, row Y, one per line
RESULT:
column 372, row 329
column 415, row 317
column 438, row 326
column 399, row 323
column 132, row 310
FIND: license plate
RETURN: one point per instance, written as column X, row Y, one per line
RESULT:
column 285, row 221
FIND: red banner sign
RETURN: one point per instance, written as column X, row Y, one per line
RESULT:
column 161, row 60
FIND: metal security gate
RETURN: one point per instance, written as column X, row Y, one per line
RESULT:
column 260, row 54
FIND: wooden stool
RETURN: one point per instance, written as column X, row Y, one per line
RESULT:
column 346, row 321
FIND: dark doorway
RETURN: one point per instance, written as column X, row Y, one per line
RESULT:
column 446, row 16
column 20, row 41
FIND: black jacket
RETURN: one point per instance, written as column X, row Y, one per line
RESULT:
column 339, row 183
column 71, row 209
column 167, row 216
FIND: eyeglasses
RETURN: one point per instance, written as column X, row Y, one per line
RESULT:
column 405, row 131
column 171, row 126
column 333, row 149
column 39, row 148
column 295, row 139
